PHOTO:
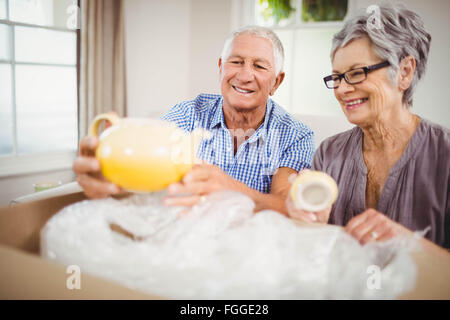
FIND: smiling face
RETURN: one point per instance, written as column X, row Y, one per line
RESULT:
column 375, row 98
column 248, row 74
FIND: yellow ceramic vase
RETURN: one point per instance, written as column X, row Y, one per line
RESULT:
column 144, row 155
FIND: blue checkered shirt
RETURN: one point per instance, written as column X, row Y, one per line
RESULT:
column 281, row 141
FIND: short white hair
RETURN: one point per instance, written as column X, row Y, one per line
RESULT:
column 262, row 32
column 401, row 33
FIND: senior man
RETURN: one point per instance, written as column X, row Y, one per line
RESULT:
column 255, row 144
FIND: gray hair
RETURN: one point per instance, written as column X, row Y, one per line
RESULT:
column 262, row 32
column 399, row 33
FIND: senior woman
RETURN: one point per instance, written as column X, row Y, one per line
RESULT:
column 393, row 167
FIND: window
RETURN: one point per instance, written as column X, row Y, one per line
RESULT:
column 306, row 35
column 38, row 86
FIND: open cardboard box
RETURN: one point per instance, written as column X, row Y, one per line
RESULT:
column 25, row 275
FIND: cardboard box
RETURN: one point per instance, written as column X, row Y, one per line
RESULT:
column 25, row 275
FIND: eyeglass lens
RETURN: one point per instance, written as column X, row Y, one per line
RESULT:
column 353, row 76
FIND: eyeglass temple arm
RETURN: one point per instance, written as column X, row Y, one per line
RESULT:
column 378, row 66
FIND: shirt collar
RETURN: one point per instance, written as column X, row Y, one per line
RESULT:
column 218, row 116
column 260, row 132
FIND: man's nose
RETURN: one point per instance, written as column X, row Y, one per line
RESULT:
column 245, row 73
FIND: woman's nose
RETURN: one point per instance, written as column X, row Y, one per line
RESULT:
column 343, row 88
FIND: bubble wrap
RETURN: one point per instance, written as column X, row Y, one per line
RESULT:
column 220, row 249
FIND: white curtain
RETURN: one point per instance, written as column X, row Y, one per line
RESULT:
column 102, row 61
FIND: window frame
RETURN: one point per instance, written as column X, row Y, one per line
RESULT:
column 249, row 8
column 20, row 164
column 244, row 12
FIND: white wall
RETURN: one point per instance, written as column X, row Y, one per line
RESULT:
column 172, row 49
column 157, row 35
column 210, row 26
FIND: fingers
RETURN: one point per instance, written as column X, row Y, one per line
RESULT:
column 175, row 188
column 304, row 216
column 324, row 215
column 389, row 234
column 201, row 180
column 364, row 228
column 88, row 145
column 88, row 171
column 86, row 161
column 358, row 220
column 379, row 232
column 370, row 226
column 96, row 188
column 197, row 173
column 107, row 122
column 195, row 184
column 198, row 188
column 300, row 215
column 90, row 178
column 83, row 165
column 195, row 191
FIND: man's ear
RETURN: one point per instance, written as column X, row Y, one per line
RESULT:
column 407, row 68
column 220, row 65
column 278, row 80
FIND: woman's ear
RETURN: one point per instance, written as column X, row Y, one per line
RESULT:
column 407, row 68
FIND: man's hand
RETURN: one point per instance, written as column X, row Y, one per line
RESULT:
column 372, row 225
column 206, row 178
column 89, row 176
column 202, row 180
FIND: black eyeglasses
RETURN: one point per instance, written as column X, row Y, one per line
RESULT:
column 353, row 76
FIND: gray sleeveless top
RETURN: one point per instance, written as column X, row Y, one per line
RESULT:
column 416, row 191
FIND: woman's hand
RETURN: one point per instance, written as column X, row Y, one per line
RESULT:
column 372, row 225
column 307, row 216
column 303, row 215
